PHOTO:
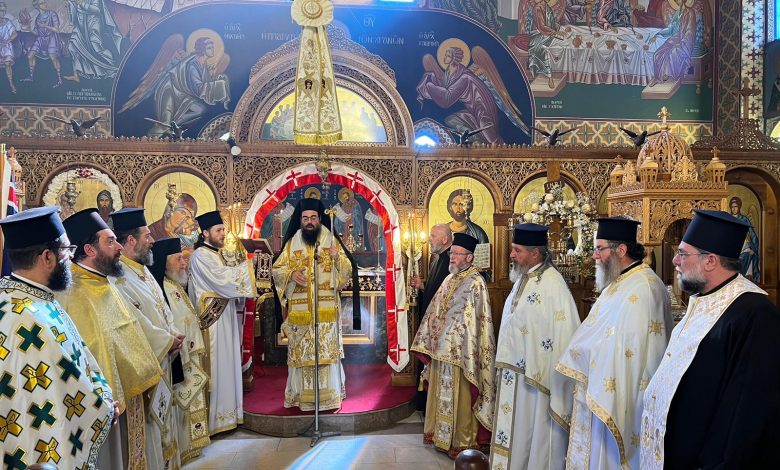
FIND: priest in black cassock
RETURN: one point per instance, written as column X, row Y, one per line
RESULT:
column 441, row 241
column 714, row 401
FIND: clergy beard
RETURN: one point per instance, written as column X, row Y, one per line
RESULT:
column 214, row 242
column 145, row 257
column 107, row 265
column 607, row 270
column 516, row 271
column 455, row 270
column 693, row 282
column 179, row 277
column 61, row 278
column 310, row 234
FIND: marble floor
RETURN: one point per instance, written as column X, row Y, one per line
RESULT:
column 397, row 447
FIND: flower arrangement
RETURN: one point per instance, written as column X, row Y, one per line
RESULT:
column 60, row 182
column 573, row 215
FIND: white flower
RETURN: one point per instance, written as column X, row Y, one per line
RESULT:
column 535, row 207
column 528, row 217
column 586, row 208
column 570, row 204
column 548, row 197
column 545, row 207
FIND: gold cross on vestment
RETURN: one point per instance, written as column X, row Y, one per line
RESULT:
column 21, row 304
column 298, row 261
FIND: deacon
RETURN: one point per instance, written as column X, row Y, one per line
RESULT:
column 615, row 351
column 457, row 344
column 215, row 290
column 138, row 285
column 170, row 272
column 308, row 237
column 112, row 332
column 441, row 240
column 46, row 371
column 533, row 404
column 713, row 402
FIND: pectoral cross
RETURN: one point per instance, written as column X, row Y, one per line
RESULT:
column 746, row 92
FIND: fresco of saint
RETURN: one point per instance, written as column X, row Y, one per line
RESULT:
column 184, row 83
column 479, row 89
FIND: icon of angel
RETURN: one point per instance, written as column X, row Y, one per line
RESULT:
column 449, row 80
column 184, row 80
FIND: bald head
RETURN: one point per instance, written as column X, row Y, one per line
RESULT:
column 441, row 238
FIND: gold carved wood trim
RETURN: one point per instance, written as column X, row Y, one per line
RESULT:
column 408, row 179
column 126, row 168
column 663, row 213
column 393, row 173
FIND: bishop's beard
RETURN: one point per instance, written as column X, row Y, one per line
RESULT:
column 607, row 270
column 310, row 234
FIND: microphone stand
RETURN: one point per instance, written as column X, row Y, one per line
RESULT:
column 317, row 435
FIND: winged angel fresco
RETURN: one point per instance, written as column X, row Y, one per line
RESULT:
column 478, row 88
column 185, row 80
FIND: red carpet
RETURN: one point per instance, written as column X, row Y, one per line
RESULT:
column 368, row 389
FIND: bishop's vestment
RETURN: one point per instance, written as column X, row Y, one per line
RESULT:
column 113, row 335
column 55, row 405
column 215, row 290
column 533, row 402
column 612, row 358
column 457, row 343
column 298, row 326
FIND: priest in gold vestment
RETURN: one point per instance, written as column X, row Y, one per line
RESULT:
column 189, row 390
column 294, row 279
column 141, row 290
column 457, row 343
column 615, row 352
column 113, row 334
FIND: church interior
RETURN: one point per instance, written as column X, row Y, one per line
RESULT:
column 459, row 112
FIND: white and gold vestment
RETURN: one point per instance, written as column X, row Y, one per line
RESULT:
column 298, row 326
column 212, row 282
column 612, row 358
column 533, row 402
column 457, row 343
